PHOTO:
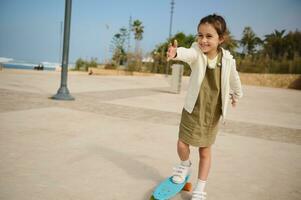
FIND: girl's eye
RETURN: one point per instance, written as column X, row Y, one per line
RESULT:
column 209, row 36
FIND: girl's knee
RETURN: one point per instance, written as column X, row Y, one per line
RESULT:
column 182, row 145
column 205, row 152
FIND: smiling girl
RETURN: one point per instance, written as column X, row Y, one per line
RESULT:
column 213, row 82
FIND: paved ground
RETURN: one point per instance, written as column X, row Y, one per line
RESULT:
column 117, row 140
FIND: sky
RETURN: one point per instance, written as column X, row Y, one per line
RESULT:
column 30, row 29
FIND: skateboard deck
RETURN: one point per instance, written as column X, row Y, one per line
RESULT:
column 167, row 188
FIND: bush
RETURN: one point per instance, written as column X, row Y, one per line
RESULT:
column 82, row 65
column 111, row 66
column 266, row 65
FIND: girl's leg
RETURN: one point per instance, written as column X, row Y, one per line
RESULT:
column 182, row 170
column 183, row 150
column 204, row 163
column 204, row 166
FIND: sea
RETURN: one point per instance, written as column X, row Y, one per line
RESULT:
column 25, row 66
column 18, row 64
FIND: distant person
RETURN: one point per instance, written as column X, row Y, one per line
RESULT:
column 213, row 82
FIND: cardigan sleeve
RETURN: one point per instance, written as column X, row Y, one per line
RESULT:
column 188, row 55
column 235, row 83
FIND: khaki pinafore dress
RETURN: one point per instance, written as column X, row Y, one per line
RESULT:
column 200, row 127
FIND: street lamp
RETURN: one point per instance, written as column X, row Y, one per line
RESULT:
column 63, row 92
column 171, row 16
column 172, row 3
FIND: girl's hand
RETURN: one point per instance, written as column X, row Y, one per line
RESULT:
column 233, row 101
column 172, row 50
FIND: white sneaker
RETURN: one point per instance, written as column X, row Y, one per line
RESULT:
column 180, row 173
column 197, row 195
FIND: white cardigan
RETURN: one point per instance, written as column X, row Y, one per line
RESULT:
column 197, row 60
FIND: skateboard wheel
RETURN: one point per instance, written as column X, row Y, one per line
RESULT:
column 188, row 187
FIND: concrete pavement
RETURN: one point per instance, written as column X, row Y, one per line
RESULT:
column 117, row 140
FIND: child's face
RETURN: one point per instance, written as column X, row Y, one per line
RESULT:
column 208, row 38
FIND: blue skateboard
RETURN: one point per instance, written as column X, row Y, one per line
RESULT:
column 168, row 189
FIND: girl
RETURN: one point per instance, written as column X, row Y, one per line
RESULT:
column 213, row 82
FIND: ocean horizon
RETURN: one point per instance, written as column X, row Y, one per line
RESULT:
column 11, row 63
column 25, row 66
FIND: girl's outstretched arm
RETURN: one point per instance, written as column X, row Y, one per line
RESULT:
column 181, row 53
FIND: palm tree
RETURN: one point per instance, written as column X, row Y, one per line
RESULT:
column 137, row 28
column 249, row 41
column 230, row 43
column 293, row 44
column 118, row 45
column 274, row 44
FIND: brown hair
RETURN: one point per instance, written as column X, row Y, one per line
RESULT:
column 218, row 22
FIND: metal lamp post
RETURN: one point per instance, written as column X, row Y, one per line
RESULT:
column 172, row 3
column 63, row 92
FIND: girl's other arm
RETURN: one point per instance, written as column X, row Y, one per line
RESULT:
column 235, row 85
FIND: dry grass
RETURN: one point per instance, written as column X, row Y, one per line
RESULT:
column 292, row 81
